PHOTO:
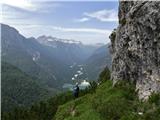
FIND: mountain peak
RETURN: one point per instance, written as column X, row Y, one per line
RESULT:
column 45, row 39
column 7, row 28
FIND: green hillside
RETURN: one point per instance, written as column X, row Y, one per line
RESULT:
column 103, row 102
column 19, row 89
column 111, row 103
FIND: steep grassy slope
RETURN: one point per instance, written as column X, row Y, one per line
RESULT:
column 111, row 103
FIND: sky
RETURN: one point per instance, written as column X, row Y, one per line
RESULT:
column 87, row 21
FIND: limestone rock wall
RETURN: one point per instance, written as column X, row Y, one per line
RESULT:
column 135, row 46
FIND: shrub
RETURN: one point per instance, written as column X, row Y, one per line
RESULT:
column 104, row 75
column 155, row 98
column 123, row 21
column 113, row 36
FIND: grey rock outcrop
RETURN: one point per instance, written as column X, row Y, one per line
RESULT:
column 135, row 46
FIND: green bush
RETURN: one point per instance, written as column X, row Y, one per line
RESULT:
column 113, row 36
column 155, row 98
column 104, row 75
column 123, row 21
column 92, row 87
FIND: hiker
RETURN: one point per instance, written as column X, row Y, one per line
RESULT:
column 76, row 91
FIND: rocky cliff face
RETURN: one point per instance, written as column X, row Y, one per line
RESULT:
column 135, row 46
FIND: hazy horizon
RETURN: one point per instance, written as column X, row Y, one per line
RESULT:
column 89, row 22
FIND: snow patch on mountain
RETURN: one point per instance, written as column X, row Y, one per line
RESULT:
column 50, row 40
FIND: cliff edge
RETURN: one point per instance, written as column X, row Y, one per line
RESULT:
column 135, row 46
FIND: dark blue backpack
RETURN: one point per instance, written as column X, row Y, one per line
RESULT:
column 76, row 91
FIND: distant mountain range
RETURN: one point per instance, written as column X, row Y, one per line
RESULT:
column 51, row 61
column 97, row 62
column 67, row 51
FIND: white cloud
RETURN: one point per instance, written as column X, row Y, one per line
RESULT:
column 85, row 35
column 20, row 11
column 88, row 30
column 23, row 4
column 82, row 19
column 78, row 0
column 10, row 14
column 30, row 5
column 103, row 15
